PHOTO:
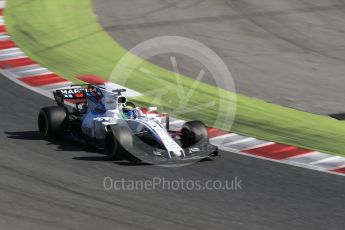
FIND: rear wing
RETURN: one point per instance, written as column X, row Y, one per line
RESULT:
column 74, row 95
column 77, row 94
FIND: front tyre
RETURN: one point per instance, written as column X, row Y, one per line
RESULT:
column 118, row 142
column 193, row 132
column 52, row 121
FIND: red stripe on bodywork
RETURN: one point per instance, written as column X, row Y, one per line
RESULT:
column 3, row 29
column 1, row 12
column 277, row 151
column 214, row 132
column 145, row 111
column 6, row 44
column 92, row 79
column 18, row 62
column 75, row 101
column 41, row 80
column 339, row 170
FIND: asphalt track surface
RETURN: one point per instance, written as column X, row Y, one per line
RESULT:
column 59, row 185
column 289, row 52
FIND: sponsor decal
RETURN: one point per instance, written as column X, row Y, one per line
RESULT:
column 192, row 150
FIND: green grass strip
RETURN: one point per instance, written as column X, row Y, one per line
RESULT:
column 64, row 36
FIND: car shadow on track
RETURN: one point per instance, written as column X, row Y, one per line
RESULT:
column 25, row 135
column 106, row 158
column 65, row 144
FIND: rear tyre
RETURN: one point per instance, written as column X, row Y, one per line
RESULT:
column 118, row 142
column 52, row 121
column 193, row 132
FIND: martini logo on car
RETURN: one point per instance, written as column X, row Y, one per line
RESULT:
column 71, row 91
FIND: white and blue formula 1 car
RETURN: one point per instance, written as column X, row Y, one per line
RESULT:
column 105, row 118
